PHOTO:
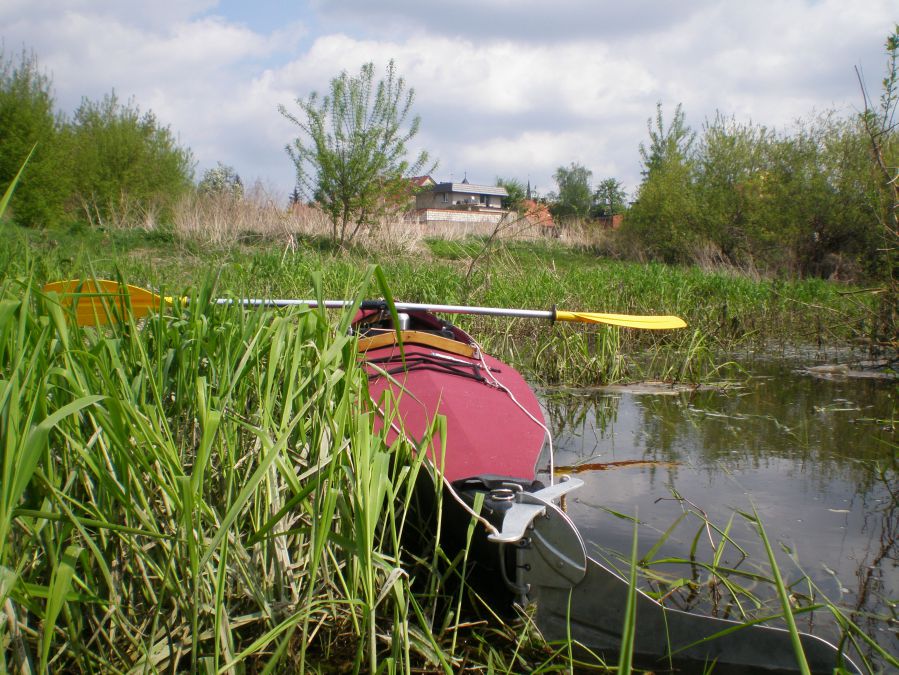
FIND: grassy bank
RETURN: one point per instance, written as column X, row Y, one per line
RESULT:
column 204, row 492
column 725, row 312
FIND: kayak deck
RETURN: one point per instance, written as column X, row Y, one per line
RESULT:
column 494, row 425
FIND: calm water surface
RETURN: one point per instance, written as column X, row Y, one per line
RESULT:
column 816, row 458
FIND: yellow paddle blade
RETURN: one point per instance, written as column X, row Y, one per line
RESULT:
column 628, row 320
column 99, row 301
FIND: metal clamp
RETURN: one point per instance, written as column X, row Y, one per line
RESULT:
column 528, row 506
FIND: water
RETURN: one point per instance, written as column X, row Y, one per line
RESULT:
column 815, row 458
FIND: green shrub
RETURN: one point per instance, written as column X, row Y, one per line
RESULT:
column 126, row 159
column 27, row 120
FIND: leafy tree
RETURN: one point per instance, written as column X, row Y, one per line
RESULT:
column 126, row 158
column 666, row 144
column 516, row 191
column 610, row 198
column 880, row 124
column 575, row 196
column 663, row 220
column 817, row 218
column 797, row 203
column 221, row 180
column 27, row 121
column 731, row 173
column 351, row 154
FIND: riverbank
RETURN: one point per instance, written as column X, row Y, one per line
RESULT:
column 726, row 311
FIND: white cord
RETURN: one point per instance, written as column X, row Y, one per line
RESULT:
column 449, row 486
column 499, row 385
column 548, row 436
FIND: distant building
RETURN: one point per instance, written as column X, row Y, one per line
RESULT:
column 538, row 215
column 422, row 182
column 610, row 222
column 457, row 202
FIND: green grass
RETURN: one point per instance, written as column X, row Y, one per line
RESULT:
column 204, row 491
column 194, row 493
column 207, row 491
column 725, row 313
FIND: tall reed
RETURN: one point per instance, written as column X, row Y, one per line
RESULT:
column 202, row 491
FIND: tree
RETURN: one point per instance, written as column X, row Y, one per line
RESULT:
column 575, row 196
column 880, row 124
column 881, row 127
column 732, row 172
column 221, row 180
column 27, row 121
column 813, row 216
column 350, row 157
column 610, row 198
column 663, row 220
column 126, row 159
column 516, row 191
column 666, row 145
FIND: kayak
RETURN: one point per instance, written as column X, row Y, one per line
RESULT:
column 495, row 437
column 431, row 367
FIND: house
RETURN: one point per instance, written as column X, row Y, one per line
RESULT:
column 457, row 202
column 420, row 183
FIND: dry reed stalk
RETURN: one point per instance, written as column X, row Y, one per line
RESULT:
column 126, row 214
column 224, row 219
column 710, row 258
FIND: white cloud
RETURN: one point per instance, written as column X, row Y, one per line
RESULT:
column 499, row 78
column 151, row 15
column 201, row 75
column 503, row 88
column 531, row 21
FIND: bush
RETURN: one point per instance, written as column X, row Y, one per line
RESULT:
column 27, row 121
column 126, row 157
column 804, row 203
column 223, row 180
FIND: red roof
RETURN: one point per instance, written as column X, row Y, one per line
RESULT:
column 422, row 181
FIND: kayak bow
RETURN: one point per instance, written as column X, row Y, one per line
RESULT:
column 494, row 439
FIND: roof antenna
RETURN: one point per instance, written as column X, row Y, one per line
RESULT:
column 465, row 179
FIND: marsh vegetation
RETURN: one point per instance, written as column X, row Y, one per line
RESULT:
column 203, row 490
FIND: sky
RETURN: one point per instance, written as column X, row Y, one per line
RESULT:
column 504, row 88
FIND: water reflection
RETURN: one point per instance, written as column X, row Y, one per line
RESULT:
column 816, row 460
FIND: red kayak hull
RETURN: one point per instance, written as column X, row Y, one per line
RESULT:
column 493, row 420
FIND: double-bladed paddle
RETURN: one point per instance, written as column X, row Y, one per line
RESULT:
column 93, row 300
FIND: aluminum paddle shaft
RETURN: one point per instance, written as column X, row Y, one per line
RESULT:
column 98, row 300
column 626, row 320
